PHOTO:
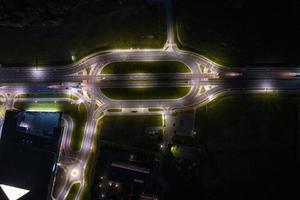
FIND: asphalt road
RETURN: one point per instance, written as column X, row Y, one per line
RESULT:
column 222, row 80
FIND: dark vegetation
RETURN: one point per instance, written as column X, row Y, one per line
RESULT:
column 146, row 93
column 241, row 32
column 251, row 144
column 145, row 67
column 50, row 32
column 132, row 131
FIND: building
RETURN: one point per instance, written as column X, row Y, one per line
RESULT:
column 128, row 181
column 29, row 147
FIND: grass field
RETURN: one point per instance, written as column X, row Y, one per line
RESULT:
column 232, row 34
column 145, row 93
column 93, row 26
column 131, row 130
column 78, row 113
column 50, row 95
column 251, row 144
column 145, row 67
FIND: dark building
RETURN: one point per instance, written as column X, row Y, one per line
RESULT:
column 127, row 181
column 29, row 147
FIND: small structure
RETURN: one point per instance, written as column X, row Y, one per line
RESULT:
column 128, row 181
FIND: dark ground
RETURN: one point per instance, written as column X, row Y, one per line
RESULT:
column 131, row 131
column 231, row 32
column 146, row 93
column 145, row 67
column 241, row 32
column 123, row 139
column 110, row 154
column 27, row 160
column 51, row 32
column 251, row 145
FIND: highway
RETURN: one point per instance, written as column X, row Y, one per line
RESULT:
column 218, row 81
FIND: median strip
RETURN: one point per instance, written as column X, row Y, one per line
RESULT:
column 145, row 93
column 145, row 67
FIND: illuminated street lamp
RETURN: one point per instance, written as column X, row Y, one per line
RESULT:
column 74, row 173
column 210, row 98
column 36, row 73
column 73, row 58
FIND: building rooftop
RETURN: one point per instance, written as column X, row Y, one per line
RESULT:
column 133, row 180
column 29, row 147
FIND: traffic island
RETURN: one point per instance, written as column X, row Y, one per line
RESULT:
column 145, row 93
column 145, row 67
column 73, row 191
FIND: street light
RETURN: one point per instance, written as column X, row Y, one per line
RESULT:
column 74, row 173
column 210, row 98
column 73, row 58
column 38, row 73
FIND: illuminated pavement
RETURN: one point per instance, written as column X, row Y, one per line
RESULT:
column 218, row 81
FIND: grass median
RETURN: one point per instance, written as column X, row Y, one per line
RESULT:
column 145, row 67
column 114, row 110
column 1, row 100
column 77, row 112
column 48, row 95
column 155, row 109
column 145, row 93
